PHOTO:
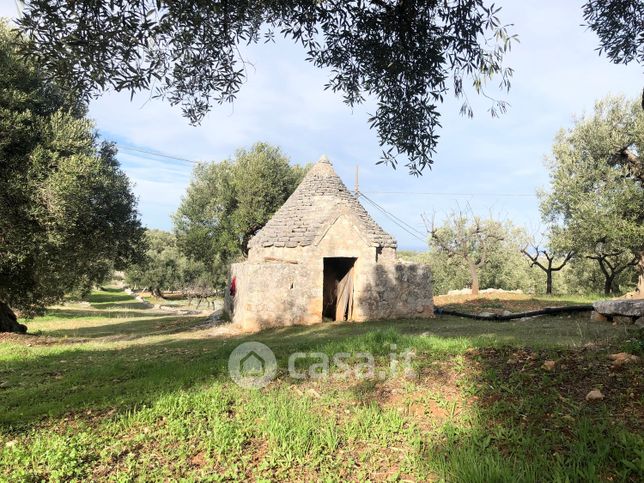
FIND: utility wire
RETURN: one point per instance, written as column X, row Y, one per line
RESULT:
column 392, row 215
column 126, row 147
column 402, row 227
column 429, row 193
column 402, row 224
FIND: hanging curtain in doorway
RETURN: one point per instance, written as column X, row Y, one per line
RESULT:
column 344, row 305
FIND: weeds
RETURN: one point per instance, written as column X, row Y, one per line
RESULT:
column 141, row 396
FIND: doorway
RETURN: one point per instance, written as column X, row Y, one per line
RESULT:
column 338, row 288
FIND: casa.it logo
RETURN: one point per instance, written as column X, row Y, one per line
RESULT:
column 252, row 365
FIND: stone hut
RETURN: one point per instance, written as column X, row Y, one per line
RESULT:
column 322, row 257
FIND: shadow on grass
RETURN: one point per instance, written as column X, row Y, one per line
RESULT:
column 121, row 305
column 573, row 330
column 137, row 373
column 82, row 313
column 527, row 424
column 73, row 378
column 131, row 329
column 111, row 296
column 530, row 424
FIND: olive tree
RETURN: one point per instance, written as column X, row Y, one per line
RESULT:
column 596, row 199
column 546, row 257
column 68, row 212
column 228, row 202
column 406, row 54
column 467, row 237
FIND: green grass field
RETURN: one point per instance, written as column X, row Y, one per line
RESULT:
column 113, row 391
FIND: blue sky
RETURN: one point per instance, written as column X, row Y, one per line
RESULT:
column 558, row 74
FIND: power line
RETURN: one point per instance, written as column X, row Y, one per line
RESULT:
column 431, row 193
column 392, row 215
column 401, row 226
column 401, row 223
column 126, row 147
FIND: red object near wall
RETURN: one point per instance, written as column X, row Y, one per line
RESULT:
column 233, row 286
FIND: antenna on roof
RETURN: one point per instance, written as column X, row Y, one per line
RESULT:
column 357, row 190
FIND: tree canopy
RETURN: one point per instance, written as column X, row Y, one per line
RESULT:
column 68, row 212
column 620, row 27
column 469, row 238
column 229, row 201
column 407, row 54
column 596, row 202
column 164, row 267
column 505, row 267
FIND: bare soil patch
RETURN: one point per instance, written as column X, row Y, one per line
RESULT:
column 494, row 304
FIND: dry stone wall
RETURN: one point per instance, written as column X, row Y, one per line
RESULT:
column 396, row 290
column 280, row 286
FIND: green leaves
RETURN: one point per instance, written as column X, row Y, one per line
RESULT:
column 164, row 267
column 68, row 212
column 620, row 28
column 228, row 202
column 596, row 203
column 406, row 54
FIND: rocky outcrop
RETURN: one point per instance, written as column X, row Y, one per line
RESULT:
column 628, row 308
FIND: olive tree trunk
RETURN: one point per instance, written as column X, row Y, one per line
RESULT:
column 640, row 278
column 9, row 321
column 474, row 273
column 608, row 284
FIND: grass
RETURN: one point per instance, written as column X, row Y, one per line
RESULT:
column 114, row 392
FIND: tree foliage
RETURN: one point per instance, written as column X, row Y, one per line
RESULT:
column 466, row 237
column 620, row 27
column 164, row 267
column 583, row 276
column 68, row 212
column 619, row 24
column 228, row 202
column 506, row 268
column 596, row 202
column 407, row 54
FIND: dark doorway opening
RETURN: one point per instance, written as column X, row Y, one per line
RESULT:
column 338, row 288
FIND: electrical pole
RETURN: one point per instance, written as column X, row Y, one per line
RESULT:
column 357, row 189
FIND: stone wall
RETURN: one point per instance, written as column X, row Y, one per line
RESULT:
column 396, row 290
column 280, row 286
column 272, row 294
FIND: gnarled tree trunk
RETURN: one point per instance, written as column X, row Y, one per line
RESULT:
column 9, row 321
column 474, row 273
column 549, row 282
column 640, row 272
column 608, row 284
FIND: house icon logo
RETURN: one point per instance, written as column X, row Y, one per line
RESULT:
column 252, row 365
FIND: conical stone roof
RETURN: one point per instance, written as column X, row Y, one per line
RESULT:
column 316, row 203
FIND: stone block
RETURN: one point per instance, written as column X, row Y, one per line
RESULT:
column 623, row 319
column 627, row 307
column 597, row 317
